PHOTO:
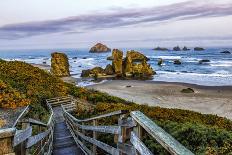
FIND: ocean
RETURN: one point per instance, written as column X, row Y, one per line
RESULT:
column 217, row 72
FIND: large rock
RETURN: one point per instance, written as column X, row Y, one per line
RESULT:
column 160, row 49
column 60, row 64
column 109, row 70
column 92, row 72
column 99, row 48
column 135, row 64
column 185, row 48
column 226, row 52
column 117, row 61
column 199, row 49
column 177, row 48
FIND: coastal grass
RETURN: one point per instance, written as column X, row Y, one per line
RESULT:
column 22, row 84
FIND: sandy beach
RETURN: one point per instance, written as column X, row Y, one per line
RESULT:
column 206, row 99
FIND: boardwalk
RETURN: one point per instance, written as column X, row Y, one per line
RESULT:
column 63, row 141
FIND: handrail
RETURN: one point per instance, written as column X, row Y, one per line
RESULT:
column 166, row 140
column 128, row 127
column 23, row 113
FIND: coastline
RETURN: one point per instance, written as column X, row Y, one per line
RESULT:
column 215, row 100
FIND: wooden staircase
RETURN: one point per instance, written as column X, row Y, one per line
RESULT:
column 63, row 143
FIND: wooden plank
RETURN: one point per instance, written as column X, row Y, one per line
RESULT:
column 78, row 142
column 56, row 98
column 109, row 149
column 126, row 148
column 166, row 140
column 22, row 135
column 25, row 111
column 33, row 121
column 5, row 133
column 61, row 102
column 139, row 145
column 105, row 115
column 103, row 129
column 35, row 139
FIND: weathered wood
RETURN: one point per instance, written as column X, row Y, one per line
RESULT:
column 37, row 138
column 103, row 129
column 139, row 145
column 105, row 115
column 5, row 133
column 22, row 135
column 33, row 122
column 126, row 149
column 109, row 149
column 24, row 112
column 166, row 140
column 129, row 122
column 94, row 149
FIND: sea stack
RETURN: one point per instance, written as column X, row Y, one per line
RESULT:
column 59, row 64
column 117, row 61
column 199, row 49
column 136, row 65
column 100, row 48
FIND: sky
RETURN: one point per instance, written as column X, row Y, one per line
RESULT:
column 32, row 24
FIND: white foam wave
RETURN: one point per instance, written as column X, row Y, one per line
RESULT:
column 166, row 57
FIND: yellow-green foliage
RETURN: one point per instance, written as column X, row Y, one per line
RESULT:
column 202, row 134
column 11, row 98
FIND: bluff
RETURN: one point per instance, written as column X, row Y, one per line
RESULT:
column 60, row 64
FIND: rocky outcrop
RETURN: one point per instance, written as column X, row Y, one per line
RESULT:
column 204, row 61
column 99, row 48
column 199, row 49
column 60, row 64
column 185, row 48
column 226, row 52
column 109, row 70
column 160, row 62
column 187, row 90
column 92, row 72
column 136, row 65
column 177, row 62
column 160, row 49
column 177, row 48
column 117, row 61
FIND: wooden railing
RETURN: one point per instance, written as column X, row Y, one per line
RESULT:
column 22, row 142
column 127, row 134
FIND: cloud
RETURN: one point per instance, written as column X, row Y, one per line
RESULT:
column 122, row 17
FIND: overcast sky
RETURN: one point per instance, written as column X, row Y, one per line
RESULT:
column 118, row 23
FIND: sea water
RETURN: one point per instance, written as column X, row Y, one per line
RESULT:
column 217, row 72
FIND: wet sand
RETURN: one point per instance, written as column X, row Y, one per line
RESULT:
column 206, row 99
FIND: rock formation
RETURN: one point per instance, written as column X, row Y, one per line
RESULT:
column 204, row 61
column 185, row 48
column 109, row 70
column 99, row 48
column 177, row 62
column 160, row 49
column 135, row 65
column 226, row 52
column 199, row 49
column 160, row 62
column 60, row 64
column 117, row 61
column 177, row 48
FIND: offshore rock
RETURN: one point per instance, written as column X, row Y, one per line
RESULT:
column 136, row 65
column 117, row 61
column 109, row 70
column 177, row 62
column 199, row 49
column 99, row 48
column 160, row 49
column 60, row 64
column 177, row 48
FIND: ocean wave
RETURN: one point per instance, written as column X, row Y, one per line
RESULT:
column 222, row 63
column 165, row 57
column 215, row 74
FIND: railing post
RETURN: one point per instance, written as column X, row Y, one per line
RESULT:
column 94, row 149
column 121, row 137
column 21, row 148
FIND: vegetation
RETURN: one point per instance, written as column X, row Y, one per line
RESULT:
column 22, row 84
